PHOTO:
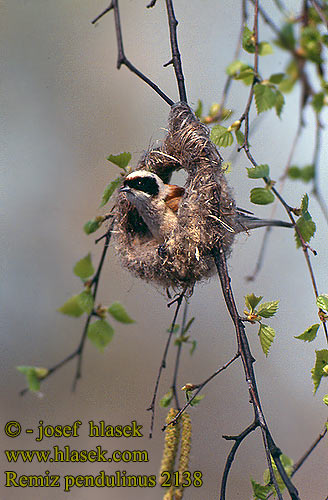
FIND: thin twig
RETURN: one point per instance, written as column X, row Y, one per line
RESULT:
column 123, row 60
column 200, row 387
column 163, row 363
column 306, row 455
column 320, row 11
column 176, row 58
column 109, row 8
column 177, row 359
column 230, row 458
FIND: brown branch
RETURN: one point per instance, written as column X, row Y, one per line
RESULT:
column 248, row 360
column 306, row 455
column 176, row 58
column 78, row 353
column 238, row 440
column 123, row 60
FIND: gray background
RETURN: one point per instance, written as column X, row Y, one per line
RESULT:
column 65, row 108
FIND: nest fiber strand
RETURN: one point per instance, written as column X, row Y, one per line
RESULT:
column 206, row 213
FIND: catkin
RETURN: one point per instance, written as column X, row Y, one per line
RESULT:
column 184, row 452
column 171, row 443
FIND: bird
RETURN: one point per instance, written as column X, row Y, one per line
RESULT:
column 157, row 204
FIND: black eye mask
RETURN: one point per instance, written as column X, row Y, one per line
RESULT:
column 146, row 184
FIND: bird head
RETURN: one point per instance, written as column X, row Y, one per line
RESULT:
column 143, row 187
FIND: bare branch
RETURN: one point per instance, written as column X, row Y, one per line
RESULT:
column 176, row 58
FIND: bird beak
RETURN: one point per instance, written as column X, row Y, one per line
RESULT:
column 125, row 189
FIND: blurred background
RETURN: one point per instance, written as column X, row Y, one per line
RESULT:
column 65, row 108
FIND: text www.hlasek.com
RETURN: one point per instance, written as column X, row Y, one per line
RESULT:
column 66, row 454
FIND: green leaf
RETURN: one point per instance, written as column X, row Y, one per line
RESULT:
column 287, row 464
column 307, row 229
column 188, row 325
column 240, row 137
column 247, row 76
column 199, row 109
column 317, row 371
column 119, row 313
column 109, row 190
column 305, row 203
column 286, row 39
column 236, row 67
column 294, row 172
column 266, row 334
column 121, row 160
column 318, row 101
column 280, row 101
column 276, row 78
column 322, row 302
column 71, row 307
column 34, row 375
column 265, row 49
column 92, row 225
column 221, row 137
column 325, row 399
column 193, row 347
column 268, row 309
column 85, row 301
column 309, row 334
column 165, row 401
column 197, row 400
column 100, row 333
column 307, row 173
column 251, row 301
column 261, row 196
column 248, row 40
column 258, row 172
column 265, row 97
column 260, row 492
column 310, row 42
column 84, row 268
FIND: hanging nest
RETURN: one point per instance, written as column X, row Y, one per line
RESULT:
column 206, row 213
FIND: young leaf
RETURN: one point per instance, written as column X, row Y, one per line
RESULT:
column 309, row 334
column 193, row 347
column 307, row 173
column 266, row 334
column 258, row 172
column 71, row 307
column 261, row 196
column 85, row 301
column 279, row 104
column 188, row 325
column 317, row 371
column 248, row 40
column 325, row 399
column 199, row 109
column 100, row 333
column 251, row 301
column 109, row 190
column 286, row 38
column 305, row 203
column 33, row 376
column 294, row 172
column 260, row 492
column 121, row 160
column 246, row 76
column 307, row 229
column 265, row 97
column 197, row 400
column 318, row 101
column 92, row 225
column 240, row 137
column 221, row 137
column 265, row 49
column 322, row 302
column 166, row 399
column 119, row 313
column 276, row 78
column 84, row 268
column 268, row 309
